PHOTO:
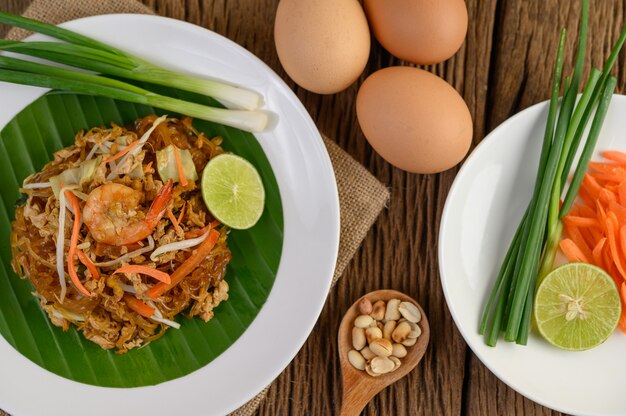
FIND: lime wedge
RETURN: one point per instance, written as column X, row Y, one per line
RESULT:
column 577, row 307
column 233, row 191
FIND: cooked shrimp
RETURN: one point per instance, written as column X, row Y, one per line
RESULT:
column 113, row 215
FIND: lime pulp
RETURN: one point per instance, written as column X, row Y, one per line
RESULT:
column 577, row 307
column 233, row 191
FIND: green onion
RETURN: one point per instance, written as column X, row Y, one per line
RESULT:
column 87, row 53
column 39, row 75
column 537, row 237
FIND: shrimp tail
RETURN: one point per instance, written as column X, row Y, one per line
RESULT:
column 159, row 205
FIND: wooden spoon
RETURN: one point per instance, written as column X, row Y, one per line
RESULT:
column 358, row 386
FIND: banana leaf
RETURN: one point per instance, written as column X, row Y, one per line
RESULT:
column 26, row 144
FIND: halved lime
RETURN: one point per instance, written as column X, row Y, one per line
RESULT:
column 577, row 307
column 233, row 191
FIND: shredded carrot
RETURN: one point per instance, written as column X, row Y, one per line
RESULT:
column 576, row 236
column 607, row 196
column 122, row 152
column 580, row 221
column 71, row 268
column 572, row 251
column 601, row 215
column 172, row 218
column 591, row 186
column 149, row 271
column 615, row 156
column 616, row 176
column 597, row 222
column 179, row 165
column 603, row 167
column 138, row 306
column 597, row 254
column 88, row 264
column 197, row 233
column 586, row 198
column 147, row 168
column 187, row 267
column 182, row 212
column 612, row 234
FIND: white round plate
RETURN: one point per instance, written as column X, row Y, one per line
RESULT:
column 311, row 238
column 483, row 209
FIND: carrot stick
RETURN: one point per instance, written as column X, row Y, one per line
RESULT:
column 138, row 306
column 601, row 215
column 607, row 196
column 591, row 186
column 197, row 233
column 188, row 266
column 616, row 176
column 122, row 152
column 586, row 198
column 172, row 218
column 621, row 193
column 182, row 212
column 179, row 165
column 612, row 234
column 603, row 167
column 619, row 211
column 147, row 168
column 615, row 156
column 597, row 254
column 572, row 252
column 576, row 236
column 88, row 264
column 587, row 211
column 149, row 271
column 71, row 268
column 580, row 221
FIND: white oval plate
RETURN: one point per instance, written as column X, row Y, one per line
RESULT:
column 483, row 209
column 311, row 238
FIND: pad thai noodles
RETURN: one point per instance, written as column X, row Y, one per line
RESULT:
column 115, row 237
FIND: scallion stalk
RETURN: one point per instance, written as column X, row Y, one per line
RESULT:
column 253, row 121
column 87, row 53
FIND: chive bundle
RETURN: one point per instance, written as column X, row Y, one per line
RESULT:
column 89, row 54
column 531, row 253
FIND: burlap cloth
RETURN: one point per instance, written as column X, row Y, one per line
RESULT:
column 361, row 196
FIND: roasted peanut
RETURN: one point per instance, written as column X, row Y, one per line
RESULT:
column 416, row 331
column 388, row 329
column 381, row 365
column 367, row 353
column 398, row 350
column 356, row 359
column 381, row 347
column 410, row 312
column 358, row 338
column 391, row 312
column 363, row 321
column 378, row 310
column 372, row 334
column 365, row 306
column 401, row 332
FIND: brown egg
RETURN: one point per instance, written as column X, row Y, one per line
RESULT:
column 323, row 45
column 414, row 119
column 420, row 31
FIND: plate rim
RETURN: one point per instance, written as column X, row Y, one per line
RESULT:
column 332, row 241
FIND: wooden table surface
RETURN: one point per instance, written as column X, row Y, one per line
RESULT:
column 502, row 68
